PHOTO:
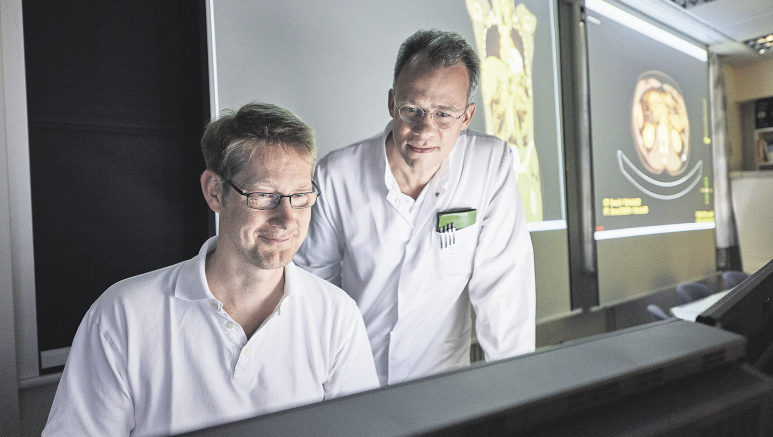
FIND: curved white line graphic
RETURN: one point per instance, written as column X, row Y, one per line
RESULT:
column 623, row 162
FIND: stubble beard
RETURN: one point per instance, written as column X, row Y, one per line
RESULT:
column 273, row 260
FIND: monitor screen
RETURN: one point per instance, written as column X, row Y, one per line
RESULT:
column 315, row 57
column 650, row 127
column 667, row 378
column 748, row 310
column 651, row 153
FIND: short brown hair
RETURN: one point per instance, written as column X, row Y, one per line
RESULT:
column 230, row 141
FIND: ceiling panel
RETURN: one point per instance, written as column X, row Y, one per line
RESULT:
column 723, row 25
column 738, row 19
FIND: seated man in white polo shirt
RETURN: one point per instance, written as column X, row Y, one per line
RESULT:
column 234, row 332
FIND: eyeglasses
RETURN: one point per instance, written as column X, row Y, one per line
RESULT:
column 265, row 201
column 414, row 114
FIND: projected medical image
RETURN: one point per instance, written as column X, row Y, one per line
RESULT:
column 504, row 35
column 660, row 124
column 650, row 128
column 661, row 136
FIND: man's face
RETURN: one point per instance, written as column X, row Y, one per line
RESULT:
column 423, row 145
column 268, row 239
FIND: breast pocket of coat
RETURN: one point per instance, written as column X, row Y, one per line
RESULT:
column 454, row 253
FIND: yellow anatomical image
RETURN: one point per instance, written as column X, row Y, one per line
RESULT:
column 661, row 128
column 504, row 35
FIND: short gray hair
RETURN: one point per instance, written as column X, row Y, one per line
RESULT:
column 230, row 141
column 442, row 49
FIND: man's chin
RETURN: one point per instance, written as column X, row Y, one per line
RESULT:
column 271, row 261
column 423, row 162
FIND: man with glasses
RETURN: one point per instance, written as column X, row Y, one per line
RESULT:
column 234, row 332
column 424, row 220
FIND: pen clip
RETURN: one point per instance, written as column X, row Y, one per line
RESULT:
column 447, row 235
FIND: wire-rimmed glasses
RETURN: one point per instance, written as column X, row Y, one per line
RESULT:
column 266, row 201
column 414, row 114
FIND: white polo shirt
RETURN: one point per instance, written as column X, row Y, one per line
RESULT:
column 156, row 354
column 383, row 249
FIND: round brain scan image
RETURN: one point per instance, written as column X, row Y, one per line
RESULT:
column 661, row 129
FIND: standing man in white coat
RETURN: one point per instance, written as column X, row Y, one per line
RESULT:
column 237, row 330
column 424, row 220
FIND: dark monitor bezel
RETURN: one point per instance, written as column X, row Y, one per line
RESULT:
column 748, row 310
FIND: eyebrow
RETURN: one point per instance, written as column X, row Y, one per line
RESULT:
column 247, row 188
column 449, row 108
column 442, row 107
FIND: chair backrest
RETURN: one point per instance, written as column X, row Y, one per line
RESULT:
column 657, row 312
column 690, row 291
column 731, row 278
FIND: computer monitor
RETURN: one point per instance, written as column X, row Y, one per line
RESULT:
column 671, row 377
column 748, row 310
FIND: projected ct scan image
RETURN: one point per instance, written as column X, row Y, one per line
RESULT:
column 652, row 159
column 504, row 35
column 661, row 136
column 660, row 124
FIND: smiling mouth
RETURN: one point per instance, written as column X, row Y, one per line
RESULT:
column 420, row 149
column 274, row 240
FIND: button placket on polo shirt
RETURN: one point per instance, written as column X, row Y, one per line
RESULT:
column 246, row 369
column 232, row 332
column 228, row 325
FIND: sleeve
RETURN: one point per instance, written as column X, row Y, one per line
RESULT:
column 92, row 398
column 502, row 286
column 322, row 251
column 353, row 369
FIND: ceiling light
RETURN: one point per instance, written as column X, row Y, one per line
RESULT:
column 646, row 28
column 761, row 44
column 687, row 4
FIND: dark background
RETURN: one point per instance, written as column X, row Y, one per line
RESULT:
column 117, row 101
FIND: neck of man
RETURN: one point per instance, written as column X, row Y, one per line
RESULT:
column 410, row 179
column 249, row 294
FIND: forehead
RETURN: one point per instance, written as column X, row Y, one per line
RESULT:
column 442, row 85
column 276, row 162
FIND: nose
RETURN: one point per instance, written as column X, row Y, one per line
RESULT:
column 426, row 124
column 282, row 214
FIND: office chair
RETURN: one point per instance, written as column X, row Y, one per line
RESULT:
column 690, row 291
column 657, row 312
column 731, row 278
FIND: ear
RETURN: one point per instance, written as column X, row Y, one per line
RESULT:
column 212, row 188
column 468, row 114
column 391, row 103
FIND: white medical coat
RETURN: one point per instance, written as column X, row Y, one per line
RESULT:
column 156, row 355
column 382, row 248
